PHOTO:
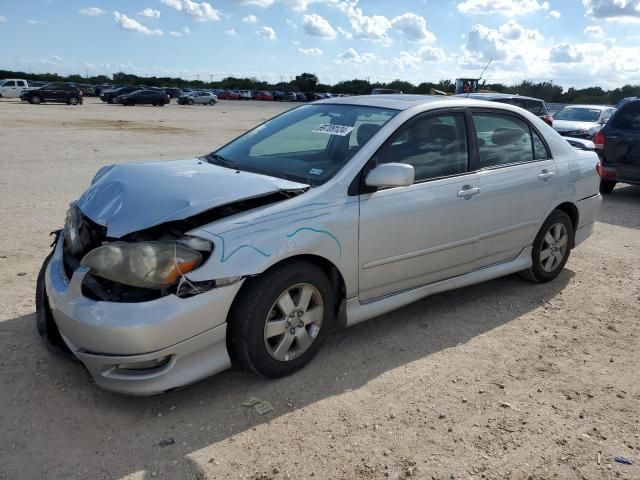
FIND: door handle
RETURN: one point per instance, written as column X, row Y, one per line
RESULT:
column 467, row 192
column 546, row 175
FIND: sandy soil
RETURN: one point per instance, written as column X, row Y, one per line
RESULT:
column 503, row 380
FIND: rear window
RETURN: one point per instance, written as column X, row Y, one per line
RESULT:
column 628, row 117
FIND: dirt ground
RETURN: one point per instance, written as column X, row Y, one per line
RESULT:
column 503, row 380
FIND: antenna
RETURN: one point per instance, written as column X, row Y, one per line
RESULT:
column 480, row 77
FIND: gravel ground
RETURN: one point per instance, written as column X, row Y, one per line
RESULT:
column 503, row 380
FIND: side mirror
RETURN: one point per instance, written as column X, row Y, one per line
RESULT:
column 390, row 175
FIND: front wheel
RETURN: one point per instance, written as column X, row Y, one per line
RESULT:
column 35, row 100
column 551, row 248
column 212, row 102
column 280, row 319
column 72, row 101
column 607, row 186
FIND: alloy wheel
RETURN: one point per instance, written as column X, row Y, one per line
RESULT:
column 293, row 322
column 554, row 247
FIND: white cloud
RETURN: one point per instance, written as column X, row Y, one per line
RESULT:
column 594, row 31
column 3, row 19
column 201, row 12
column 36, row 22
column 370, row 28
column 314, row 52
column 555, row 14
column 565, row 53
column 509, row 8
column 56, row 58
column 617, row 10
column 318, row 26
column 149, row 13
column 352, row 56
column 184, row 32
column 257, row 3
column 133, row 25
column 413, row 26
column 348, row 35
column 231, row 31
column 267, row 33
column 431, row 54
column 92, row 11
column 250, row 19
column 291, row 23
column 301, row 5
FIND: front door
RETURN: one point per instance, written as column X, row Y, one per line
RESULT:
column 423, row 233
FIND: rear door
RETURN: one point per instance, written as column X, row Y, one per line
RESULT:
column 622, row 144
column 517, row 179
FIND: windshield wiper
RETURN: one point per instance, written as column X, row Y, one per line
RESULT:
column 220, row 160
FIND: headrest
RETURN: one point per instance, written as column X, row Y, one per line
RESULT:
column 442, row 131
column 365, row 132
column 506, row 136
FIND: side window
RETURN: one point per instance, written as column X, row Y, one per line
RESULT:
column 628, row 117
column 502, row 139
column 540, row 151
column 9, row 84
column 21, row 83
column 436, row 146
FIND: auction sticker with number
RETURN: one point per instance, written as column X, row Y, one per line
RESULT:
column 329, row 129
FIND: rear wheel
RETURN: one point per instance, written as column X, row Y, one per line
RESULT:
column 212, row 102
column 113, row 100
column 551, row 248
column 35, row 100
column 190, row 101
column 73, row 101
column 607, row 186
column 280, row 319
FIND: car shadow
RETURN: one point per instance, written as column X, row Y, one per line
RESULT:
column 621, row 207
column 49, row 405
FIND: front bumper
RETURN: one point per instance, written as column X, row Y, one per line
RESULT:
column 191, row 332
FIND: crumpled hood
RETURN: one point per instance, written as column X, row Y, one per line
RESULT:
column 570, row 125
column 131, row 197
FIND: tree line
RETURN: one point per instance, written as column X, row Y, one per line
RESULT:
column 308, row 82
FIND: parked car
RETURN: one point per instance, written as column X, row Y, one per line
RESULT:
column 228, row 95
column 245, row 94
column 278, row 96
column 145, row 97
column 625, row 100
column 385, row 91
column 53, row 92
column 534, row 105
column 618, row 146
column 254, row 251
column 264, row 96
column 581, row 121
column 202, row 98
column 12, row 87
column 173, row 92
column 111, row 96
column 87, row 90
column 301, row 97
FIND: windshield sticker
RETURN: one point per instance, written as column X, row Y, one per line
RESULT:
column 329, row 129
column 316, row 171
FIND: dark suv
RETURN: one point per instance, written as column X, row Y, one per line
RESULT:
column 110, row 96
column 534, row 105
column 54, row 92
column 618, row 146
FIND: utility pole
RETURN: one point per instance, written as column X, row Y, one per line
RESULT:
column 210, row 78
column 198, row 77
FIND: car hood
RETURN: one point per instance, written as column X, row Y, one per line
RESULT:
column 568, row 125
column 128, row 198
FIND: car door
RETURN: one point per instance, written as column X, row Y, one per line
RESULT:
column 49, row 92
column 422, row 233
column 517, row 178
column 20, row 86
column 9, row 89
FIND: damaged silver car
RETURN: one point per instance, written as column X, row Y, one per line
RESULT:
column 333, row 212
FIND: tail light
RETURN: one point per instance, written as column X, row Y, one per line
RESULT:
column 598, row 140
column 548, row 119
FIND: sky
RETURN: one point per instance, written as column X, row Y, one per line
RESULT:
column 571, row 42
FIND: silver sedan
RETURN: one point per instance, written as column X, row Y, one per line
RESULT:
column 333, row 212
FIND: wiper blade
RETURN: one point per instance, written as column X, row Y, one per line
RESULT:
column 220, row 160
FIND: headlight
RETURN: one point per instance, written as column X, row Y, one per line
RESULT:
column 143, row 264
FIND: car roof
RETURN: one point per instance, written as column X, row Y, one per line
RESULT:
column 598, row 107
column 496, row 95
column 404, row 102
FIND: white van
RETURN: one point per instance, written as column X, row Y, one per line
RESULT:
column 12, row 87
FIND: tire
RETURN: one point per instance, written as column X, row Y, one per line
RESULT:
column 113, row 100
column 190, row 102
column 554, row 239
column 154, row 104
column 44, row 318
column 35, row 100
column 73, row 101
column 212, row 102
column 257, row 305
column 162, row 104
column 607, row 186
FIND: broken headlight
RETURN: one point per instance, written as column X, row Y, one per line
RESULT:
column 72, row 225
column 142, row 264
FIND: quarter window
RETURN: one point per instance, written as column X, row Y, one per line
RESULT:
column 436, row 146
column 504, row 139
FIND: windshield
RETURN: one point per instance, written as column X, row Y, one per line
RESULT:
column 578, row 114
column 308, row 144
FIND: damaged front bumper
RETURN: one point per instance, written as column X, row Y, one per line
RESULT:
column 140, row 348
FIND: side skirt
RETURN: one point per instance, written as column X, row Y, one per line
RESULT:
column 359, row 312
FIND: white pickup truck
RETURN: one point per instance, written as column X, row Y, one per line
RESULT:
column 12, row 87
